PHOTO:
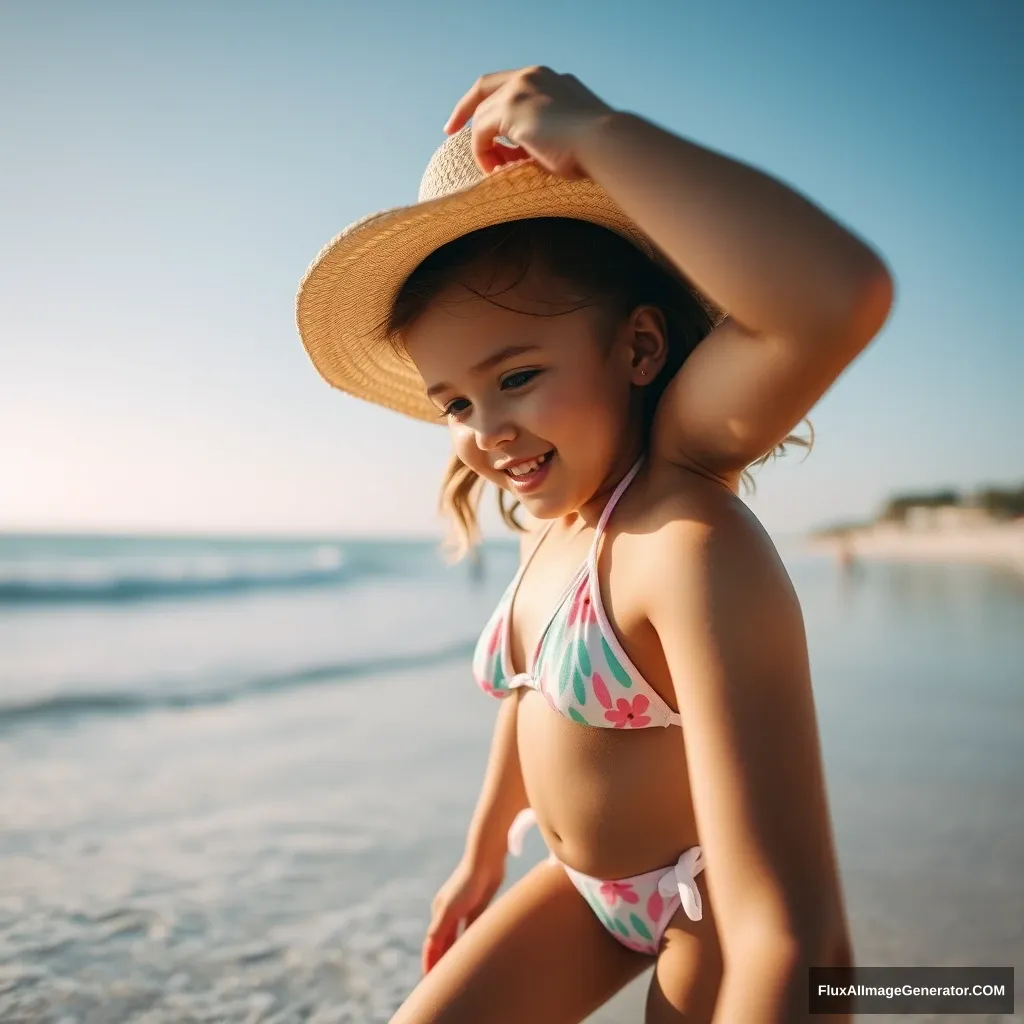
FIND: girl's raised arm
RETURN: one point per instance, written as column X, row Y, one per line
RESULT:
column 804, row 295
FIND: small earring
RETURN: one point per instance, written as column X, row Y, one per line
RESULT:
column 643, row 373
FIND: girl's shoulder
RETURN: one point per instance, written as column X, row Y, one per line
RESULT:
column 698, row 568
column 678, row 514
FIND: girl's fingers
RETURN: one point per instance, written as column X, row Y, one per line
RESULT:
column 440, row 935
column 436, row 946
column 485, row 127
column 433, row 949
column 483, row 87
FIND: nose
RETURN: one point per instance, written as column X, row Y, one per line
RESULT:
column 492, row 431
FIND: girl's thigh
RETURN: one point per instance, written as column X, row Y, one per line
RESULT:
column 688, row 973
column 537, row 954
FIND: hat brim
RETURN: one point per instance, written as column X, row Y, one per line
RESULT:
column 347, row 293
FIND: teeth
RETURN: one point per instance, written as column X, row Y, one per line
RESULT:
column 525, row 468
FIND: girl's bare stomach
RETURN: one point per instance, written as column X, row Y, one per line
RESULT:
column 609, row 802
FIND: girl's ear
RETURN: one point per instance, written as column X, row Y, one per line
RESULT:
column 647, row 340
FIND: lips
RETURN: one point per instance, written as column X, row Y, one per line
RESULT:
column 531, row 473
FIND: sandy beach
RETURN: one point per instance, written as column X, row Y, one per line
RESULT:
column 998, row 544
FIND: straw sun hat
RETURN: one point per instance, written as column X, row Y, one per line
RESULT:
column 348, row 290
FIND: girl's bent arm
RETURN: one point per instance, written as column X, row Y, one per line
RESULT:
column 502, row 795
column 804, row 295
column 732, row 633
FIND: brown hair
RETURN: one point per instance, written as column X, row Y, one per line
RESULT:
column 604, row 270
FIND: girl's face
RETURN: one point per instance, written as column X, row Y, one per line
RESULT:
column 515, row 387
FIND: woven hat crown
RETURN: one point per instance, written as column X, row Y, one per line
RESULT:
column 452, row 167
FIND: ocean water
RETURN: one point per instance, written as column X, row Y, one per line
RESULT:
column 233, row 773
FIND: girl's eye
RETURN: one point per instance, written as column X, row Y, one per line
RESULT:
column 451, row 410
column 519, row 378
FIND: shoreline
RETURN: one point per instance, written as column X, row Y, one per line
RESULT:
column 996, row 544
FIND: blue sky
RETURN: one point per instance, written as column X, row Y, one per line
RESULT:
column 168, row 171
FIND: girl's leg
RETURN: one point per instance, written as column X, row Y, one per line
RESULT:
column 537, row 954
column 689, row 969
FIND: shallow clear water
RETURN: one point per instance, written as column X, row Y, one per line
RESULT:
column 233, row 774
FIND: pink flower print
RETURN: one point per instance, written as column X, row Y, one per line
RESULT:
column 581, row 609
column 487, row 688
column 601, row 691
column 612, row 891
column 629, row 714
column 655, row 906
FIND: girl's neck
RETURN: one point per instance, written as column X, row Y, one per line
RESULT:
column 589, row 514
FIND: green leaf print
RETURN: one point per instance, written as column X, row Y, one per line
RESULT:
column 499, row 675
column 620, row 927
column 553, row 634
column 640, row 927
column 576, row 716
column 579, row 687
column 565, row 670
column 583, row 658
column 613, row 663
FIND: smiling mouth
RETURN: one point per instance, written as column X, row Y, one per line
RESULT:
column 524, row 470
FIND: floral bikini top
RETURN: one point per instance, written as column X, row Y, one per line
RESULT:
column 579, row 665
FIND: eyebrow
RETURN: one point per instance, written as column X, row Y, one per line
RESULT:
column 486, row 364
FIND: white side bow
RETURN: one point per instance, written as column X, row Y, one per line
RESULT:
column 682, row 876
column 521, row 824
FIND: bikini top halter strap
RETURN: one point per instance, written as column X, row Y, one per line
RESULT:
column 610, row 508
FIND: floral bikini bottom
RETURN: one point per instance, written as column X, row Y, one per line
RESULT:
column 635, row 910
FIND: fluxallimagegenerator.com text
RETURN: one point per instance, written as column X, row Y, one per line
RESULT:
column 892, row 991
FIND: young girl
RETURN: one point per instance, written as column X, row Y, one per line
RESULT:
column 554, row 298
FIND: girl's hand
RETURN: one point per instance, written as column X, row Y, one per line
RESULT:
column 544, row 113
column 462, row 898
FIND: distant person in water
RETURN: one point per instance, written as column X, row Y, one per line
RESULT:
column 615, row 324
column 845, row 557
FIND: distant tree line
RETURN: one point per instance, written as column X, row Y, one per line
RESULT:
column 999, row 502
